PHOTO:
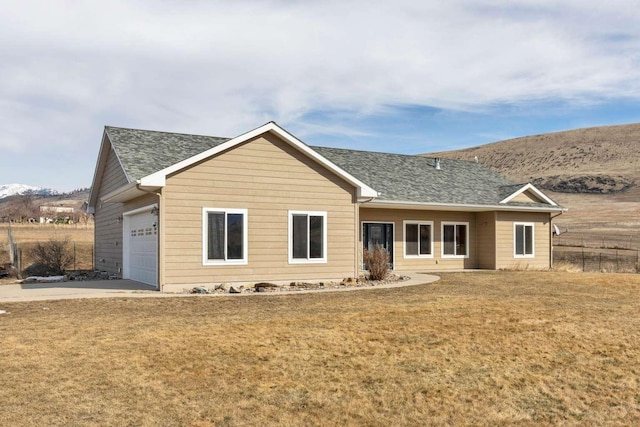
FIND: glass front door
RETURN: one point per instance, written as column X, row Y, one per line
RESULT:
column 377, row 233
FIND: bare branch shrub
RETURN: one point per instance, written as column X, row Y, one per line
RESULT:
column 377, row 262
column 52, row 257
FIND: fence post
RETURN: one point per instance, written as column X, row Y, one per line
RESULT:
column 600, row 261
column 583, row 259
column 74, row 256
column 617, row 262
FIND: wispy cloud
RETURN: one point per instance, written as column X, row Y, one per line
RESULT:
column 220, row 67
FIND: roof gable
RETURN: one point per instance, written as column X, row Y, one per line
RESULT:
column 530, row 192
column 158, row 179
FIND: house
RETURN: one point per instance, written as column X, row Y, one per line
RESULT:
column 177, row 210
column 57, row 212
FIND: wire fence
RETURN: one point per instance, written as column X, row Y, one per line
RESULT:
column 606, row 260
column 19, row 255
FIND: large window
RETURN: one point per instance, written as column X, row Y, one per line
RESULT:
column 523, row 240
column 224, row 236
column 418, row 239
column 455, row 239
column 307, row 237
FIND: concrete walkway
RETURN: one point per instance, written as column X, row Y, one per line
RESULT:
column 130, row 288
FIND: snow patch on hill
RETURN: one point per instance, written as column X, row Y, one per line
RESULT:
column 7, row 190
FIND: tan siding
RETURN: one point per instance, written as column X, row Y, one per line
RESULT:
column 505, row 237
column 108, row 231
column 397, row 216
column 268, row 178
column 527, row 197
column 140, row 202
column 486, row 240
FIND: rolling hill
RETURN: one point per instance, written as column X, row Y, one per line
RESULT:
column 594, row 172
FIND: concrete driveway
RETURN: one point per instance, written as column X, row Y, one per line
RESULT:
column 68, row 290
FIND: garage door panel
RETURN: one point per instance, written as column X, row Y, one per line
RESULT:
column 142, row 248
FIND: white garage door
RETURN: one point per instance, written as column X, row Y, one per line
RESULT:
column 141, row 247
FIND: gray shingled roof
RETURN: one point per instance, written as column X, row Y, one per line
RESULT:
column 398, row 177
column 143, row 152
column 415, row 179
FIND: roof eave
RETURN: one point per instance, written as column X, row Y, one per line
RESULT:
column 389, row 204
column 128, row 192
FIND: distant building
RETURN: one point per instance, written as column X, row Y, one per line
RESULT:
column 59, row 212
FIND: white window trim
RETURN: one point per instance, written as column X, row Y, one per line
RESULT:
column 325, row 242
column 205, row 237
column 442, row 225
column 404, row 238
column 533, row 235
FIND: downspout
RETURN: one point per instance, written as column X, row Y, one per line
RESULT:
column 160, row 235
column 551, row 238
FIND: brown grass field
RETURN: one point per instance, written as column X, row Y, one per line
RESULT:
column 484, row 348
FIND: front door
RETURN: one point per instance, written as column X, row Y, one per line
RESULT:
column 378, row 233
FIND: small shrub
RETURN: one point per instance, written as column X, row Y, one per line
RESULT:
column 51, row 258
column 377, row 262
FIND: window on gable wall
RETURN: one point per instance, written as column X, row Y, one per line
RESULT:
column 224, row 236
column 523, row 240
column 307, row 237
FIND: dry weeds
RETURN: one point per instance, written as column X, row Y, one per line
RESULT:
column 495, row 348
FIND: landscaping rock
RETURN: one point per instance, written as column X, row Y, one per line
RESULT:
column 223, row 287
column 41, row 279
column 265, row 287
column 235, row 289
column 349, row 281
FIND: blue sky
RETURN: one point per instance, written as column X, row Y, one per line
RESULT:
column 398, row 76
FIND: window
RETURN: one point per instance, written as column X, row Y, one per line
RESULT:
column 523, row 240
column 224, row 236
column 418, row 239
column 455, row 239
column 307, row 237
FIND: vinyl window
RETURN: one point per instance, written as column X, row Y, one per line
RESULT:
column 523, row 240
column 418, row 239
column 224, row 236
column 307, row 237
column 455, row 239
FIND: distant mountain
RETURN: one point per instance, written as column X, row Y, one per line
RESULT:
column 7, row 190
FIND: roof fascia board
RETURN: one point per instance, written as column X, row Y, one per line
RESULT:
column 533, row 189
column 101, row 163
column 457, row 207
column 159, row 179
column 125, row 193
column 124, row 171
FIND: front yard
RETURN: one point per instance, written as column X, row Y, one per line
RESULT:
column 486, row 348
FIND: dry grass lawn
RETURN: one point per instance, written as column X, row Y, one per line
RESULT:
column 494, row 348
